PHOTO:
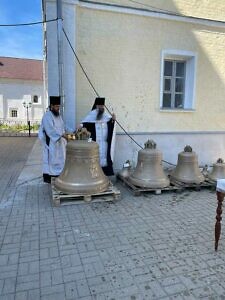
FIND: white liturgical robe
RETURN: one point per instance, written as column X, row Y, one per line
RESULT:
column 101, row 130
column 54, row 145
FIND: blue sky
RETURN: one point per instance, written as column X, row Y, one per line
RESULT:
column 24, row 41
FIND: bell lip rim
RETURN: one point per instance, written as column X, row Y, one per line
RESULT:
column 166, row 182
column 82, row 193
column 184, row 179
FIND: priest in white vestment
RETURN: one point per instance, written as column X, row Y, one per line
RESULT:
column 53, row 138
column 101, row 125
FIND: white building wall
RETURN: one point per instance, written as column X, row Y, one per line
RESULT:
column 209, row 146
column 61, row 62
column 1, row 106
column 52, row 69
column 14, row 93
column 69, row 66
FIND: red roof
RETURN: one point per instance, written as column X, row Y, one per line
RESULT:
column 21, row 68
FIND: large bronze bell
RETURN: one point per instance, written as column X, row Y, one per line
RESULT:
column 149, row 172
column 187, row 170
column 82, row 173
column 218, row 170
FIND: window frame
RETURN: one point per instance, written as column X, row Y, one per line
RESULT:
column 173, row 78
column 190, row 59
column 38, row 99
column 11, row 110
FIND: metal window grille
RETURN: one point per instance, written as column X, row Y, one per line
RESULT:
column 14, row 113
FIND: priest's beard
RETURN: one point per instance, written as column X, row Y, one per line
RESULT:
column 55, row 113
column 99, row 113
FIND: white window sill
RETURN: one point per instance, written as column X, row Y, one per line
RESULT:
column 186, row 110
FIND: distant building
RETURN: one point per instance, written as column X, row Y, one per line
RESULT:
column 21, row 89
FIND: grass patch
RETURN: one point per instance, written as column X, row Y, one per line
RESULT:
column 7, row 127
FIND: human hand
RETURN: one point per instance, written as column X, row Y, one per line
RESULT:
column 79, row 126
column 65, row 136
column 113, row 117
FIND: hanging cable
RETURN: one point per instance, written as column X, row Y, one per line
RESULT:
column 28, row 24
column 56, row 19
column 82, row 68
column 172, row 13
column 97, row 94
column 168, row 163
column 157, row 9
column 85, row 73
column 154, row 10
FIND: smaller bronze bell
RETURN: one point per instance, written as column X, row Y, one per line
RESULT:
column 187, row 170
column 126, row 171
column 218, row 170
column 149, row 172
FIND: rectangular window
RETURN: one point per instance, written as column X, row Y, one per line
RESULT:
column 174, row 83
column 13, row 113
column 178, row 73
column 35, row 99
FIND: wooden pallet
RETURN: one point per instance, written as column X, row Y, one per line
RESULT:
column 197, row 186
column 137, row 191
column 60, row 198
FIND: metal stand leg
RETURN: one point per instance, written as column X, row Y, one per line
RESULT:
column 220, row 198
column 28, row 123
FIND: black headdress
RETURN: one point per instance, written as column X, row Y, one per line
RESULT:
column 54, row 100
column 98, row 101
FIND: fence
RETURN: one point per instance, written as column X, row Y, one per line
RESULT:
column 18, row 127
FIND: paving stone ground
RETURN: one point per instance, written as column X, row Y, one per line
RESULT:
column 147, row 247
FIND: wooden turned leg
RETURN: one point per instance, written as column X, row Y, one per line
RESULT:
column 220, row 197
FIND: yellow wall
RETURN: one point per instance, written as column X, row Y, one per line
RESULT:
column 122, row 56
column 196, row 8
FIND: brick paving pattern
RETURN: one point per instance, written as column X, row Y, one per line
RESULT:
column 147, row 247
column 13, row 155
